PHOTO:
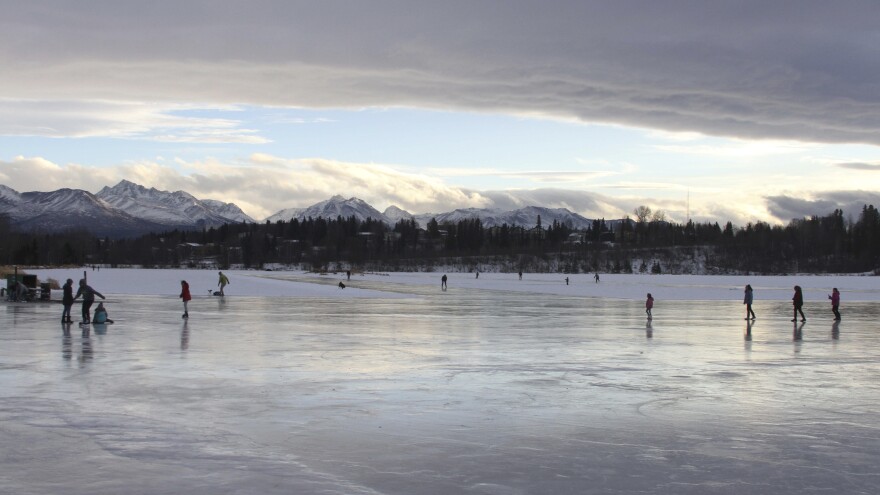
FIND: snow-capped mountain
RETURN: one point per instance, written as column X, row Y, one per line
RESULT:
column 229, row 211
column 522, row 217
column 285, row 215
column 395, row 214
column 126, row 209
column 170, row 208
column 69, row 209
column 337, row 206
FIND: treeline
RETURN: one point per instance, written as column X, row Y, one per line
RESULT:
column 817, row 244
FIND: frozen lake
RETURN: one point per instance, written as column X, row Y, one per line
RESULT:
column 467, row 391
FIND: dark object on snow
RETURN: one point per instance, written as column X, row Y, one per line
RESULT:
column 341, row 285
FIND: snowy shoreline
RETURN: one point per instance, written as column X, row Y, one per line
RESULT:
column 166, row 282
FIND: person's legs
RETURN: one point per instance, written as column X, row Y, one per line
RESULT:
column 86, row 315
column 836, row 312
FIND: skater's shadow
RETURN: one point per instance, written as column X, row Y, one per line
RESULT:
column 184, row 336
column 835, row 330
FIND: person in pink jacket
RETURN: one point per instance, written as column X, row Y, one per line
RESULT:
column 649, row 303
column 835, row 303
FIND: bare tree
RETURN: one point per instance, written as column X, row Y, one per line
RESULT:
column 658, row 216
column 642, row 213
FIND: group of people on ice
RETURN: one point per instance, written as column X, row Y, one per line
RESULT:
column 101, row 316
column 88, row 298
column 797, row 302
column 88, row 294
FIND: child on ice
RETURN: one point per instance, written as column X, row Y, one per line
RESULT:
column 184, row 294
column 835, row 303
column 101, row 315
column 649, row 303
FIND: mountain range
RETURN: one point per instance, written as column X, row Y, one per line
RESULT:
column 128, row 209
column 490, row 217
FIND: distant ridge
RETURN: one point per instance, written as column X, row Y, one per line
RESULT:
column 523, row 217
column 126, row 209
column 129, row 209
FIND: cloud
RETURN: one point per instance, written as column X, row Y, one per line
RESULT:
column 754, row 69
column 787, row 207
column 859, row 166
column 132, row 120
column 265, row 184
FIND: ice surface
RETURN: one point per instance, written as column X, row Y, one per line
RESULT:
column 417, row 391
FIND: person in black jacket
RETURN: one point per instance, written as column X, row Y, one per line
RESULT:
column 798, row 302
column 88, row 294
column 67, row 301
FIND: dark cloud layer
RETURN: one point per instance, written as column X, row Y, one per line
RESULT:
column 785, row 207
column 803, row 70
column 860, row 166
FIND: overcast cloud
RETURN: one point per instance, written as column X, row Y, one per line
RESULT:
column 807, row 70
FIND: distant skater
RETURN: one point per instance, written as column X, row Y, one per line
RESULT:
column 478, row 274
column 67, row 301
column 649, row 304
column 596, row 276
column 348, row 275
column 185, row 295
column 566, row 280
column 798, row 303
column 88, row 294
column 747, row 300
column 835, row 303
column 443, row 282
column 520, row 274
column 223, row 282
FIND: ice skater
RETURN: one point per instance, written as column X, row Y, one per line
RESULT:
column 520, row 274
column 649, row 304
column 67, row 301
column 566, row 280
column 596, row 276
column 835, row 303
column 747, row 300
column 341, row 285
column 185, row 295
column 223, row 282
column 798, row 302
column 443, row 282
column 88, row 294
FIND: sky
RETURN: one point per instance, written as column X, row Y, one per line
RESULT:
column 735, row 111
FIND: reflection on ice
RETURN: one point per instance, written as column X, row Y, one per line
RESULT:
column 462, row 391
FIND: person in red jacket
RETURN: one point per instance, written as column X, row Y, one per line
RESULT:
column 184, row 294
column 649, row 304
